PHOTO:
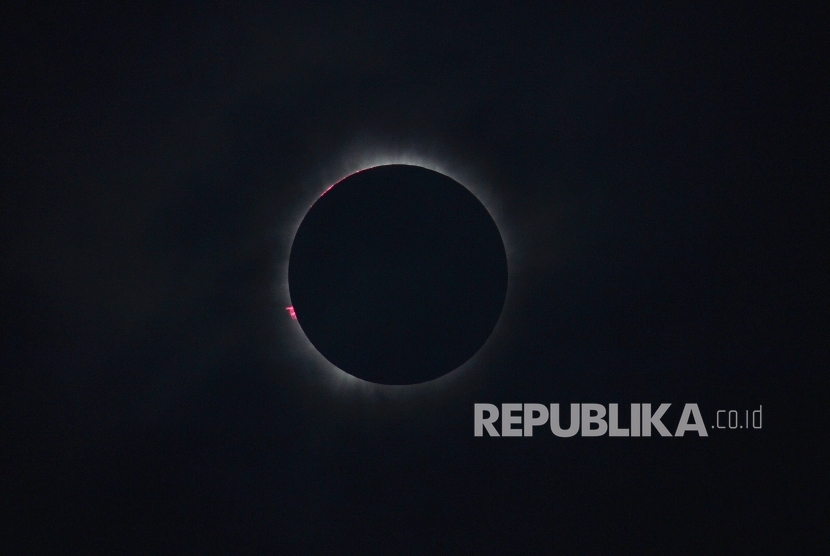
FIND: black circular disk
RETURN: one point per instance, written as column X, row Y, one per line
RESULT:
column 397, row 274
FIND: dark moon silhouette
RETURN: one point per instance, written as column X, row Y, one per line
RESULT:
column 397, row 274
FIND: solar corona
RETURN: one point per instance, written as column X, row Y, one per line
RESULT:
column 397, row 274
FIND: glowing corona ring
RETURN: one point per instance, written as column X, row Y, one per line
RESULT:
column 293, row 342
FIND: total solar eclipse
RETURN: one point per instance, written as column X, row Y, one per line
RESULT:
column 397, row 274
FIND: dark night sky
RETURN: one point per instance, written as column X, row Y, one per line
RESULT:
column 658, row 175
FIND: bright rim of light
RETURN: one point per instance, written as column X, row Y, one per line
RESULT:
column 296, row 344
